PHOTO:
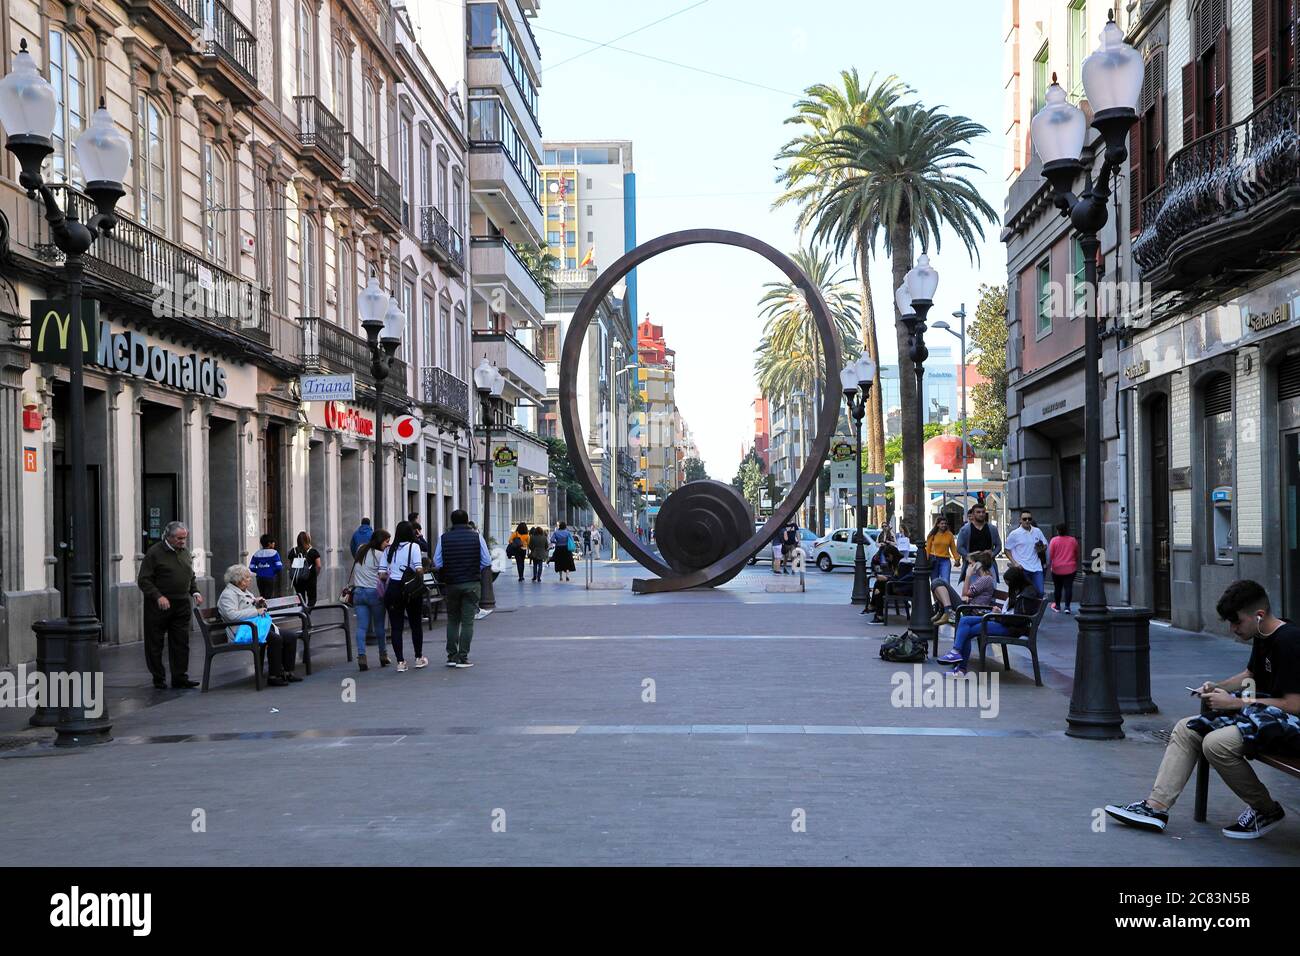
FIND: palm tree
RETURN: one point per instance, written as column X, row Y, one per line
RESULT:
column 541, row 263
column 903, row 180
column 809, row 176
column 789, row 360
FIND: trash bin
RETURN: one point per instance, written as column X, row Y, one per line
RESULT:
column 1130, row 655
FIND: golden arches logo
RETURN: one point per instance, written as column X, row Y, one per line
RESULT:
column 62, row 321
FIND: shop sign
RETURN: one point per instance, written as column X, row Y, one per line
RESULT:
column 326, row 388
column 505, row 468
column 406, row 429
column 1180, row 479
column 29, row 459
column 340, row 418
column 126, row 352
column 843, row 465
column 1280, row 314
column 1137, row 369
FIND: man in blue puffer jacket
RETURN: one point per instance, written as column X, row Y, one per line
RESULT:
column 266, row 564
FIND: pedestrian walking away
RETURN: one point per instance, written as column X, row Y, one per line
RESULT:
column 266, row 564
column 537, row 551
column 586, row 541
column 789, row 541
column 1253, row 712
column 170, row 589
column 304, row 569
column 1027, row 549
column 361, row 536
column 595, row 541
column 369, row 577
column 517, row 548
column 563, row 541
column 976, row 535
column 404, row 593
column 1063, row 559
column 236, row 604
column 461, row 557
column 941, row 546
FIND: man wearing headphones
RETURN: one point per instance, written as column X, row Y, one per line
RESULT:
column 1271, row 680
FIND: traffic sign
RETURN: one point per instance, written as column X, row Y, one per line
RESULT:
column 406, row 429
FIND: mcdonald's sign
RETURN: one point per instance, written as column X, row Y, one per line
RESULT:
column 52, row 330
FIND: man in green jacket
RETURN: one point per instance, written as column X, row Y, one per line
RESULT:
column 167, row 579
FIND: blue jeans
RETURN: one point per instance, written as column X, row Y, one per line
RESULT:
column 967, row 628
column 1037, row 578
column 370, row 610
column 941, row 569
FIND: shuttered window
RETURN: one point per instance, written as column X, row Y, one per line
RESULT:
column 1273, row 44
column 1288, row 380
column 1147, row 140
column 1205, row 77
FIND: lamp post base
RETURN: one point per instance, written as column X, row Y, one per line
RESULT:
column 860, row 593
column 80, row 714
column 920, row 623
column 1094, row 710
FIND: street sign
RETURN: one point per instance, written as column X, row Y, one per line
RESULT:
column 505, row 468
column 844, row 475
column 328, row 388
column 873, row 478
column 406, row 429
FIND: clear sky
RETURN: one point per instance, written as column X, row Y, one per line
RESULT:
column 704, row 146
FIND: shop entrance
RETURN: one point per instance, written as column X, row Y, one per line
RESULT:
column 223, row 494
column 96, row 447
column 1158, row 428
column 274, row 519
column 1072, row 495
column 160, row 480
column 350, row 513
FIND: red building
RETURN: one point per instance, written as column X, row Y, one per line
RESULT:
column 651, row 348
column 762, row 432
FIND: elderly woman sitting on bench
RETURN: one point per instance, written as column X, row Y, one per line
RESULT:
column 238, row 603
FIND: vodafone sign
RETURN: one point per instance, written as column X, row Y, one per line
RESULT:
column 406, row 429
column 340, row 418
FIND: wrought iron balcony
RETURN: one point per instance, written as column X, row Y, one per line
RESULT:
column 1228, row 200
column 175, row 22
column 389, row 207
column 230, row 52
column 150, row 271
column 360, row 174
column 329, row 348
column 444, row 393
column 323, row 134
column 440, row 240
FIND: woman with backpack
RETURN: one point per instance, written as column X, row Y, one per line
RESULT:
column 364, row 580
column 404, row 593
column 563, row 540
column 304, row 569
column 517, row 547
column 1022, row 598
column 537, row 551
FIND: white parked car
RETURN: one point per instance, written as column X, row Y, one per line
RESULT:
column 806, row 541
column 838, row 550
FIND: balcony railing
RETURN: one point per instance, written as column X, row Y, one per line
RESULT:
column 191, row 10
column 490, row 127
column 437, row 232
column 489, row 242
column 389, row 193
column 1225, row 176
column 136, row 261
column 362, row 166
column 227, row 39
column 318, row 127
column 328, row 348
column 444, row 392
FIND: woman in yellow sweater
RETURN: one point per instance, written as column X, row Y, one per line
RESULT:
column 941, row 546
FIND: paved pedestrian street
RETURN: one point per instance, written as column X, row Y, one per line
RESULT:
column 601, row 727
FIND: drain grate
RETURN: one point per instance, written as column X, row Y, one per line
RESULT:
column 1160, row 736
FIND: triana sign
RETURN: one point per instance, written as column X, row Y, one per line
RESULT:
column 343, row 419
column 127, row 352
column 325, row 388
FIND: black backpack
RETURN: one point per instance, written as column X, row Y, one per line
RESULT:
column 905, row 648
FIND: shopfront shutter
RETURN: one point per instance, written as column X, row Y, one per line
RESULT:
column 1218, row 395
column 1288, row 380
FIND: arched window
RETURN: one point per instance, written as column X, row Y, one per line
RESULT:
column 216, row 207
column 341, row 83
column 70, row 77
column 370, row 117
column 307, row 267
column 306, row 71
column 151, row 164
column 426, row 176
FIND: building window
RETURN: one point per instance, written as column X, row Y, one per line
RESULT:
column 442, row 181
column 548, row 427
column 1080, row 283
column 426, row 176
column 306, row 68
column 1220, row 440
column 426, row 332
column 308, row 267
column 1041, row 80
column 151, row 163
column 444, row 338
column 346, row 282
column 370, row 117
column 408, row 317
column 340, row 86
column 216, row 213
column 458, row 345
column 1044, row 297
column 550, row 343
column 457, row 199
column 404, row 168
column 1078, row 46
column 68, row 76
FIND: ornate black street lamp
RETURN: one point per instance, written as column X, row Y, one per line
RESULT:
column 489, row 382
column 856, row 381
column 383, row 321
column 1112, row 80
column 915, row 298
column 27, row 112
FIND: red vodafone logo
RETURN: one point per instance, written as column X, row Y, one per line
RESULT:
column 343, row 419
column 406, row 429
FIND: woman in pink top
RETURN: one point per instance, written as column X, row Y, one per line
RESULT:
column 1063, row 559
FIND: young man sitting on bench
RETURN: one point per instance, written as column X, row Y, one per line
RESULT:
column 1271, row 680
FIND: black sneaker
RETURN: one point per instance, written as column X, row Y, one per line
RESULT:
column 464, row 661
column 1253, row 824
column 1139, row 815
column 451, row 660
column 292, row 678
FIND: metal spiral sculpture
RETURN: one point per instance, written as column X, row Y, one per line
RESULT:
column 704, row 528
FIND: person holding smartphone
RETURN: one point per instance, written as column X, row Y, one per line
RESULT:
column 1271, row 680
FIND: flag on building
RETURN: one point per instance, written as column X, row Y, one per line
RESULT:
column 589, row 259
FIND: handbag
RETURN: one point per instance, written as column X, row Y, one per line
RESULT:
column 345, row 596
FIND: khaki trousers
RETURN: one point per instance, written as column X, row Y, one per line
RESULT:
column 1223, row 749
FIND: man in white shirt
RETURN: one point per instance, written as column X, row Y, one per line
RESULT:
column 1022, row 549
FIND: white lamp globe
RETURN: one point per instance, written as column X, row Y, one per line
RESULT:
column 394, row 320
column 103, row 150
column 1058, row 129
column 1112, row 74
column 849, row 379
column 372, row 304
column 483, row 375
column 903, row 300
column 27, row 104
column 922, row 281
column 866, row 370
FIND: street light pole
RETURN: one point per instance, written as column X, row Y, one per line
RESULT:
column 489, row 382
column 965, row 428
column 856, row 381
column 382, row 320
column 27, row 112
column 1112, row 78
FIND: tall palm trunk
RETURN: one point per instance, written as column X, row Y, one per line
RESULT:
column 913, row 483
column 875, row 404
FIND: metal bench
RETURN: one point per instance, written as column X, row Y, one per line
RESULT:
column 1288, row 765
column 1021, row 619
column 286, row 609
column 217, row 641
column 432, row 598
column 312, row 625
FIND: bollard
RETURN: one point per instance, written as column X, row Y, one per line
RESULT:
column 1130, row 656
column 799, row 566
